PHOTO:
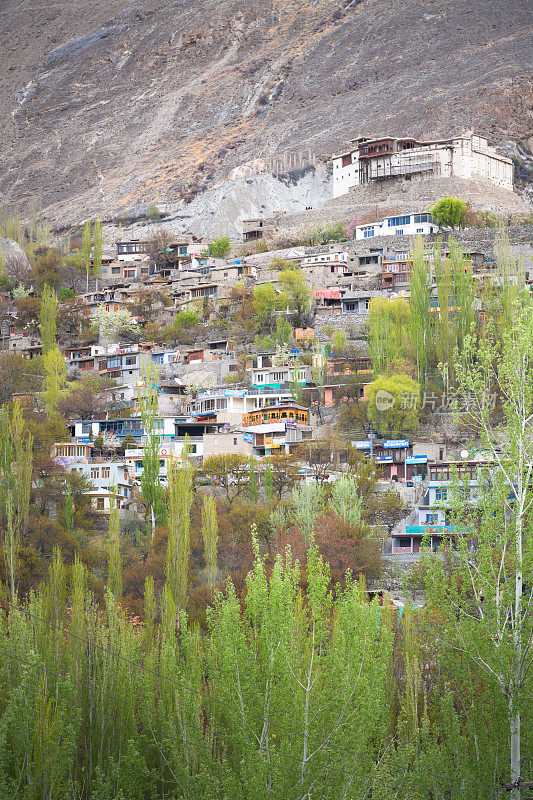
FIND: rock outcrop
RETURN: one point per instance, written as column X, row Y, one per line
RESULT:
column 15, row 261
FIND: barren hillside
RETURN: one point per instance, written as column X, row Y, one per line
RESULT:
column 110, row 104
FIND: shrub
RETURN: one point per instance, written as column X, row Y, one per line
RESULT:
column 220, row 247
column 393, row 404
column 449, row 212
column 153, row 212
column 187, row 319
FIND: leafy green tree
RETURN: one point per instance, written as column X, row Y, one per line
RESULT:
column 393, row 404
column 55, row 378
column 268, row 481
column 220, row 247
column 324, row 233
column 187, row 319
column 297, row 294
column 346, row 501
column 308, row 502
column 210, row 539
column 151, row 487
column 180, row 498
column 47, row 317
column 266, row 302
column 420, row 306
column 270, row 664
column 389, row 331
column 16, row 456
column 114, row 573
column 449, row 212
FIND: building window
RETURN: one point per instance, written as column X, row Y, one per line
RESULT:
column 394, row 222
column 431, row 517
column 234, row 441
column 106, row 472
column 421, row 218
column 95, row 472
column 420, row 230
column 99, row 503
column 399, row 232
column 347, row 160
column 368, row 233
column 441, row 495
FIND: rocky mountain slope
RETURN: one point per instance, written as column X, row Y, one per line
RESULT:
column 108, row 105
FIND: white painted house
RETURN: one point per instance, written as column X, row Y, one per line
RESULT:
column 403, row 225
column 466, row 156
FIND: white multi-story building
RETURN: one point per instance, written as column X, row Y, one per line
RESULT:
column 104, row 476
column 229, row 405
column 336, row 262
column 134, row 457
column 374, row 160
column 402, row 225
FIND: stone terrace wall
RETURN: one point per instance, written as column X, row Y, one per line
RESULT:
column 385, row 198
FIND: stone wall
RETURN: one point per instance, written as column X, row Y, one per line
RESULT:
column 383, row 198
column 354, row 325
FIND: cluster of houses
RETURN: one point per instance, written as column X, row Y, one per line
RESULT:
column 258, row 416
column 220, row 402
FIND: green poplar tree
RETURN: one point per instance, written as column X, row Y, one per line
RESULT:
column 389, row 331
column 16, row 457
column 47, row 319
column 55, row 375
column 346, row 500
column 151, row 487
column 308, row 502
column 114, row 574
column 419, row 302
column 180, row 497
column 210, row 539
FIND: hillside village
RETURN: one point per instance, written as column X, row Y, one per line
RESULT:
column 266, row 401
column 264, row 366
